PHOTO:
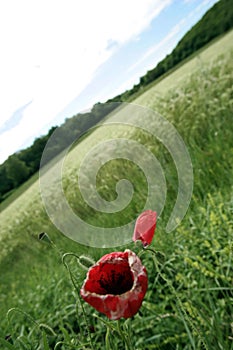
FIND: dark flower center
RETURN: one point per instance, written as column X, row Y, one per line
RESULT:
column 116, row 278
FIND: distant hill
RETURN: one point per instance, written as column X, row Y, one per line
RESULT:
column 216, row 21
column 21, row 165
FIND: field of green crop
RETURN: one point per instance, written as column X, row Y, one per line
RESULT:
column 189, row 300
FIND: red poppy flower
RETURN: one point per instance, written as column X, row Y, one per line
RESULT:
column 116, row 285
column 145, row 227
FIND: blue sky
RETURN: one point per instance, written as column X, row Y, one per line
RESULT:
column 58, row 58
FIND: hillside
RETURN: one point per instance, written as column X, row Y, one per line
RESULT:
column 188, row 304
column 22, row 165
column 216, row 21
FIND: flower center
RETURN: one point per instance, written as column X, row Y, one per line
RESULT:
column 116, row 278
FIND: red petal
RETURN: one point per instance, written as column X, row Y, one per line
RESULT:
column 119, row 305
column 145, row 227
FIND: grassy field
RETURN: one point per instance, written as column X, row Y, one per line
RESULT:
column 190, row 296
column 196, row 63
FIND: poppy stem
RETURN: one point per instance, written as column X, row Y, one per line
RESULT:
column 107, row 340
column 77, row 288
column 40, row 326
column 123, row 336
column 180, row 307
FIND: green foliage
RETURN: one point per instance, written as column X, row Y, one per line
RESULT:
column 20, row 166
column 190, row 296
column 216, row 21
column 5, row 182
column 16, row 170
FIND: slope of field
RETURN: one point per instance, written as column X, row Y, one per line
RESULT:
column 207, row 56
column 189, row 300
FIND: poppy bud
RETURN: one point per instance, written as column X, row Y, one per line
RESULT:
column 85, row 262
column 44, row 237
column 145, row 227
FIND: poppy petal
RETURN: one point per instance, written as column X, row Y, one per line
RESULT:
column 145, row 227
column 116, row 285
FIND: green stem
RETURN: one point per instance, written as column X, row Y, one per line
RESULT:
column 14, row 309
column 123, row 337
column 107, row 337
column 77, row 288
column 179, row 302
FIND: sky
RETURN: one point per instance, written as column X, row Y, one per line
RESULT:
column 60, row 57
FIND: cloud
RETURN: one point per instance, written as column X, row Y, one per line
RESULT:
column 14, row 119
column 50, row 51
column 188, row 1
column 169, row 41
column 157, row 48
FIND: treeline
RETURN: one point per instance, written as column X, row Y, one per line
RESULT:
column 21, row 165
column 216, row 21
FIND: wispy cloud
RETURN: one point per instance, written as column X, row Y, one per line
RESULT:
column 188, row 1
column 15, row 119
column 50, row 51
column 170, row 39
column 174, row 31
column 203, row 4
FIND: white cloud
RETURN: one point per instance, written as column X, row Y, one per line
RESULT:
column 188, row 1
column 203, row 4
column 170, row 40
column 157, row 48
column 50, row 51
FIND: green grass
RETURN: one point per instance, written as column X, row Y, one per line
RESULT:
column 193, row 64
column 190, row 296
column 182, row 70
column 160, row 87
column 17, row 192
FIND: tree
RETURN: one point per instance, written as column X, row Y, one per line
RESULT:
column 5, row 183
column 16, row 170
